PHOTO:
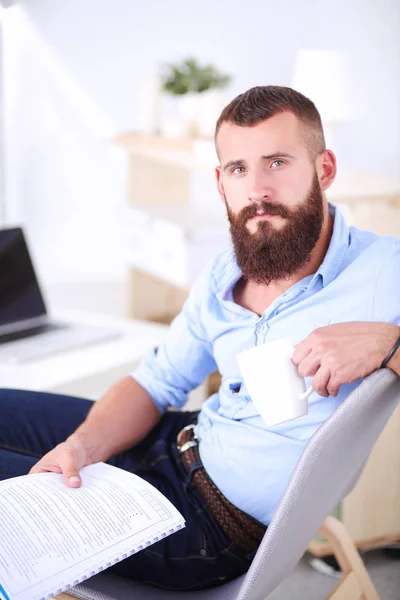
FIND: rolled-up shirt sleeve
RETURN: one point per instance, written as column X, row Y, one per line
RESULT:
column 185, row 358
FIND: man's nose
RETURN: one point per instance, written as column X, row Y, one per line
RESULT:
column 259, row 187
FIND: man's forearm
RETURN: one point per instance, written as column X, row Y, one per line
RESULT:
column 119, row 420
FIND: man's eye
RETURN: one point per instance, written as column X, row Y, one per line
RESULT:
column 238, row 170
column 278, row 163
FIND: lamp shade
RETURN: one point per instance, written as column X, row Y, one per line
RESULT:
column 320, row 75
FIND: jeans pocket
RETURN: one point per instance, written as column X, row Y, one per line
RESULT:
column 240, row 556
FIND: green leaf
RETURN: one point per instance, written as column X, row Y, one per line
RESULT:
column 189, row 76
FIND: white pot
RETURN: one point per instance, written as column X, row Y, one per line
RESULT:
column 170, row 122
column 191, row 115
column 189, row 110
column 210, row 107
column 179, row 115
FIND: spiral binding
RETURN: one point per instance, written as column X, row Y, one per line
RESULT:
column 77, row 590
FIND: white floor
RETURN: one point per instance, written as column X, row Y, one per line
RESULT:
column 306, row 584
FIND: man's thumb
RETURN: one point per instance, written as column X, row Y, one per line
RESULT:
column 71, row 476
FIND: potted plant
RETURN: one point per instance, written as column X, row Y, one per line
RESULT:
column 195, row 92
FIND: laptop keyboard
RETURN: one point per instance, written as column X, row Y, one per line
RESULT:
column 22, row 335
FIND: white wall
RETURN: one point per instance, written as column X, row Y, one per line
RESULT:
column 64, row 179
column 74, row 81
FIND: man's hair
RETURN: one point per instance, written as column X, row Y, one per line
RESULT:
column 262, row 102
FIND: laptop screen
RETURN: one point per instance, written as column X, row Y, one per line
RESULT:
column 20, row 296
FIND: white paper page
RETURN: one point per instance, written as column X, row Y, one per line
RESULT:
column 53, row 536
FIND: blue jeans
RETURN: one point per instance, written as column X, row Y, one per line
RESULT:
column 198, row 556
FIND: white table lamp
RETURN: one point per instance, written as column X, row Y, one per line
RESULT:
column 320, row 75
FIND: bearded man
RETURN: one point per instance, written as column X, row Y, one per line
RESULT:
column 295, row 269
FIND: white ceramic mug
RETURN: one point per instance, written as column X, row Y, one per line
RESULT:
column 276, row 389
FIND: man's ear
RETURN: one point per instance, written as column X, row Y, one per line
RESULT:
column 220, row 187
column 326, row 169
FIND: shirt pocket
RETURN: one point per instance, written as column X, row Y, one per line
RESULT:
column 234, row 401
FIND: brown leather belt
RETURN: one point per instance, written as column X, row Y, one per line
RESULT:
column 237, row 525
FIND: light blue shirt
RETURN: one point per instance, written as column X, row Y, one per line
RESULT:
column 359, row 280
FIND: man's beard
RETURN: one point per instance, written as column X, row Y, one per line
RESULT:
column 270, row 254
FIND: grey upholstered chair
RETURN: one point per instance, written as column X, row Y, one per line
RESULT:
column 326, row 471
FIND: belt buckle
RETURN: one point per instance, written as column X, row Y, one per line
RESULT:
column 190, row 443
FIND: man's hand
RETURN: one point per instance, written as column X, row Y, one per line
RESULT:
column 343, row 353
column 119, row 420
column 66, row 458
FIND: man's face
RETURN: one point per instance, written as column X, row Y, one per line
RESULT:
column 272, row 195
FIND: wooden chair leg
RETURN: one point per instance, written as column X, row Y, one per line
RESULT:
column 356, row 580
column 348, row 588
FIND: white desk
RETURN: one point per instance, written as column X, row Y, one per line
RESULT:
column 87, row 371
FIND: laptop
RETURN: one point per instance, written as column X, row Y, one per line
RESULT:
column 26, row 330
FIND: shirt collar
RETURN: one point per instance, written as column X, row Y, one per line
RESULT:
column 330, row 266
column 231, row 276
column 328, row 269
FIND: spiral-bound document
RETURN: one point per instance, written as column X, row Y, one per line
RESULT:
column 53, row 537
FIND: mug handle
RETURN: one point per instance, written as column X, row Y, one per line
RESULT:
column 305, row 395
